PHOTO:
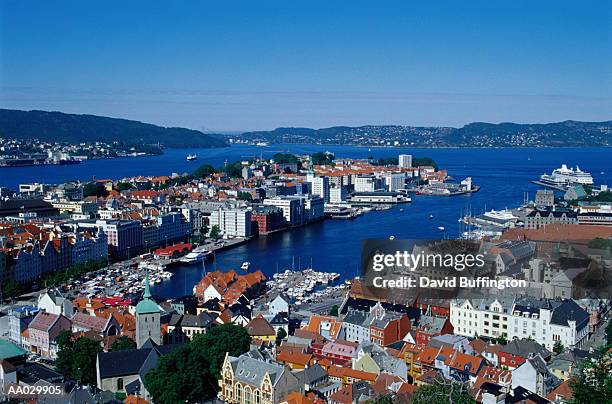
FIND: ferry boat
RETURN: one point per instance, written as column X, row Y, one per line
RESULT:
column 192, row 157
column 261, row 144
column 565, row 176
column 195, row 256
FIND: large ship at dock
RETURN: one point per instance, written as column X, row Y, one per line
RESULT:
column 564, row 177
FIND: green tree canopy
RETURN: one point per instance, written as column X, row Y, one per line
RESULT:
column 65, row 346
column 322, row 158
column 280, row 335
column 215, row 232
column 558, row 347
column 334, row 310
column 502, row 340
column 181, row 376
column 95, row 189
column 594, row 381
column 424, row 161
column 77, row 359
column 285, row 158
column 123, row 343
column 245, row 196
column 233, row 170
column 84, row 360
column 226, row 338
column 442, row 392
column 205, row 170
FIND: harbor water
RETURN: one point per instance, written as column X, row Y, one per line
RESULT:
column 504, row 175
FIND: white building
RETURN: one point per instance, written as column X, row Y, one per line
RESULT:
column 405, row 160
column 292, row 206
column 394, row 181
column 320, row 187
column 232, row 222
column 338, row 194
column 365, row 183
column 545, row 321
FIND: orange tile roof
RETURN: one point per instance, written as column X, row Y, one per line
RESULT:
column 428, row 355
column 292, row 357
column 297, row 398
column 342, row 372
column 563, row 390
column 463, row 362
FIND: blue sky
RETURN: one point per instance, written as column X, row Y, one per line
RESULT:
column 230, row 65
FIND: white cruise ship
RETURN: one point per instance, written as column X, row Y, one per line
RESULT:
column 567, row 176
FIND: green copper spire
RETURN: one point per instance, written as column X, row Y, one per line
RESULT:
column 147, row 305
column 147, row 291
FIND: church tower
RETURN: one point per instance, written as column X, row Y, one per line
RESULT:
column 147, row 318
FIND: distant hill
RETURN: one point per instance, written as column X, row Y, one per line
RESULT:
column 73, row 128
column 477, row 134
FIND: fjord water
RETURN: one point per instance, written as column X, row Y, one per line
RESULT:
column 333, row 245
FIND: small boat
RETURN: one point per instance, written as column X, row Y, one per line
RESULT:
column 441, row 228
column 431, row 216
column 192, row 157
column 245, row 266
column 401, row 209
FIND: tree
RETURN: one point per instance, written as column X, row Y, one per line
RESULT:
column 205, row 170
column 215, row 231
column 558, row 347
column 502, row 340
column 280, row 335
column 442, row 392
column 322, row 158
column 65, row 346
column 11, row 289
column 181, row 376
column 84, row 360
column 234, row 170
column 123, row 186
column 226, row 338
column 424, row 161
column 245, row 196
column 334, row 310
column 609, row 332
column 123, row 343
column 95, row 189
column 594, row 381
column 285, row 158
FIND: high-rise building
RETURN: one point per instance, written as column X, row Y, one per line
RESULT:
column 405, row 160
column 338, row 194
column 232, row 222
column 366, row 183
column 320, row 187
column 394, row 181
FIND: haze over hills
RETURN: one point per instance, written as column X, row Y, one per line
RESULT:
column 75, row 128
column 477, row 134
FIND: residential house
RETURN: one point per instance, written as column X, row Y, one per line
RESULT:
column 534, row 376
column 104, row 327
column 432, row 326
column 54, row 302
column 43, row 331
column 259, row 328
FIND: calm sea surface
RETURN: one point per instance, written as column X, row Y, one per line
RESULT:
column 503, row 174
